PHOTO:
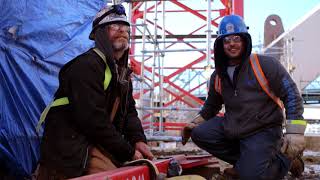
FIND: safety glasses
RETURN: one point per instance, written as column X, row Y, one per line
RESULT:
column 117, row 27
column 233, row 38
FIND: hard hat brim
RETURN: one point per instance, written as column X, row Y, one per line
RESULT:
column 113, row 21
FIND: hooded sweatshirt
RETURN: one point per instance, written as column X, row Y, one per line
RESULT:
column 248, row 109
column 72, row 129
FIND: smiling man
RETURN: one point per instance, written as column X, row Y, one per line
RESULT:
column 92, row 125
column 254, row 89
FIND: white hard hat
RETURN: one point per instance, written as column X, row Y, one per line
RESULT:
column 109, row 15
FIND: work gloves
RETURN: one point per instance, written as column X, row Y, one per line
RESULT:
column 293, row 145
column 186, row 131
column 293, row 141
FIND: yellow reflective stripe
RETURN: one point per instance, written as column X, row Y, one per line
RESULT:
column 107, row 72
column 57, row 102
column 297, row 122
column 65, row 100
column 60, row 102
column 43, row 117
column 107, row 77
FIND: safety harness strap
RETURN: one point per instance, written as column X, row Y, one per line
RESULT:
column 65, row 100
column 258, row 73
column 217, row 84
column 255, row 64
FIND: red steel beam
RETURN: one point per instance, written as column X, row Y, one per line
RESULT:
column 194, row 12
column 185, row 67
column 177, row 97
column 172, row 101
column 186, row 93
column 181, row 69
column 183, row 11
column 238, row 7
column 139, row 14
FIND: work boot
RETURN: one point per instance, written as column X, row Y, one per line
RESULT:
column 297, row 167
column 293, row 147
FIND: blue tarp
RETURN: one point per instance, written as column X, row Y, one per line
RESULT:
column 36, row 38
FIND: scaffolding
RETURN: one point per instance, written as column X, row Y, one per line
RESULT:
column 171, row 56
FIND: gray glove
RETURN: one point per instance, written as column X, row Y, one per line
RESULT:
column 293, row 141
column 293, row 145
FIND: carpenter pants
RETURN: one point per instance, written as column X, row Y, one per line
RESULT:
column 255, row 157
column 99, row 162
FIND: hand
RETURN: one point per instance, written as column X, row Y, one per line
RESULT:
column 186, row 132
column 293, row 145
column 137, row 155
column 144, row 149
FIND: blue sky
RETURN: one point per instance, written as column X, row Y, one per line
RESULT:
column 290, row 11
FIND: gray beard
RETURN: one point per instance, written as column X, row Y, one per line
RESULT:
column 119, row 46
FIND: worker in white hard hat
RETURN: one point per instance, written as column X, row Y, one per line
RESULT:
column 92, row 126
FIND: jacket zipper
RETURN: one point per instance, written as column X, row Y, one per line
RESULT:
column 235, row 91
column 86, row 158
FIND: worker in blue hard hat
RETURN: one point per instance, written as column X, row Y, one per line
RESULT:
column 92, row 125
column 255, row 90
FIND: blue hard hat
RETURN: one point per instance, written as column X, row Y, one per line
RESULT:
column 232, row 24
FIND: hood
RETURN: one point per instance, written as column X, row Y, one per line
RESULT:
column 103, row 43
column 221, row 59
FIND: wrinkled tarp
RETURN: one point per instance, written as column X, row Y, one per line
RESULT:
column 36, row 38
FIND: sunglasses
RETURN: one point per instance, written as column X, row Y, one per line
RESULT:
column 233, row 38
column 117, row 27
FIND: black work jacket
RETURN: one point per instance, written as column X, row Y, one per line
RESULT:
column 70, row 130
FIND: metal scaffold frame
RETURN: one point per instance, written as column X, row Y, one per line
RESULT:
column 154, row 40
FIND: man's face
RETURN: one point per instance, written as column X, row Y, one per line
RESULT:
column 119, row 36
column 233, row 46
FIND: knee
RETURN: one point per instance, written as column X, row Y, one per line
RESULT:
column 200, row 135
column 197, row 134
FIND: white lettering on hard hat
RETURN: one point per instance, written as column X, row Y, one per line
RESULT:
column 230, row 28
